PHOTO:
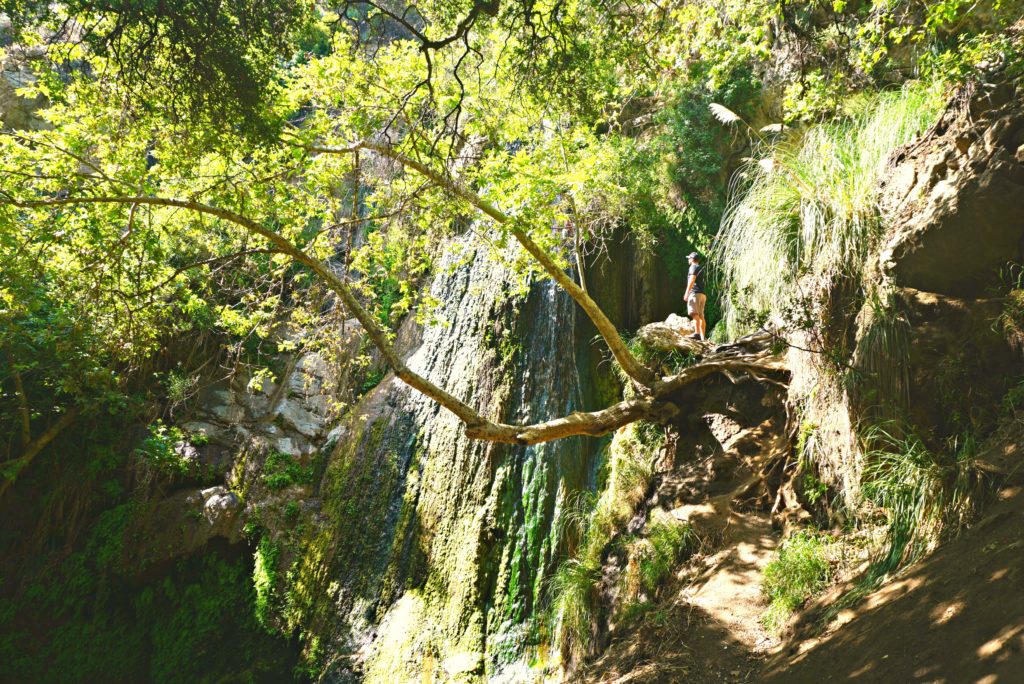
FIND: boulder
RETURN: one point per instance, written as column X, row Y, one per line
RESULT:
column 16, row 111
column 668, row 335
column 296, row 416
column 181, row 524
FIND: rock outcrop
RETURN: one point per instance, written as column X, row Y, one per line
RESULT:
column 956, row 197
column 954, row 250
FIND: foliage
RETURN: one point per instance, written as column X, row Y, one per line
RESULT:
column 374, row 376
column 921, row 493
column 1013, row 400
column 162, row 450
column 799, row 570
column 575, row 586
column 205, row 63
column 666, row 362
column 807, row 207
column 281, row 470
column 1011, row 320
column 652, row 557
column 676, row 174
column 79, row 618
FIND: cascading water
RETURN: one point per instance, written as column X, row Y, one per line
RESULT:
column 432, row 550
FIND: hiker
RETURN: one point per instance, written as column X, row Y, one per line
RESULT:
column 695, row 297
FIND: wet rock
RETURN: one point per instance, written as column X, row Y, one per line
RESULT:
column 454, row 535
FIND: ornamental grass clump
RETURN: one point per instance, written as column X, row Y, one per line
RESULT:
column 922, row 494
column 807, row 206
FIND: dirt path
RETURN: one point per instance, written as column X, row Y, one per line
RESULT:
column 729, row 590
column 706, row 628
column 958, row 616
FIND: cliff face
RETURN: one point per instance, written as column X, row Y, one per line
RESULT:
column 953, row 256
column 430, row 549
column 422, row 552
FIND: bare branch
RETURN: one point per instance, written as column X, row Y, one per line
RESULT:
column 476, row 426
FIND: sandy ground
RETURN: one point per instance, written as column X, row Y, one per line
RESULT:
column 956, row 617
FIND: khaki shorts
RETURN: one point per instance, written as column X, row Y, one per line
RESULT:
column 695, row 304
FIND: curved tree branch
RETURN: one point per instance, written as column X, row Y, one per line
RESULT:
column 633, row 368
column 594, row 423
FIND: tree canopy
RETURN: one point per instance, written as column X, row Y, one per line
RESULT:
column 204, row 167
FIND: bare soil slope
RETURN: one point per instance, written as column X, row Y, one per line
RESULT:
column 958, row 616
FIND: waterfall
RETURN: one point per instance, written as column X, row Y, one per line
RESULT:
column 433, row 549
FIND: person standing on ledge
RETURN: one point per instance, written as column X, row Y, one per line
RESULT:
column 695, row 297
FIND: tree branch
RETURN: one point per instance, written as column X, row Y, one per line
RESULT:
column 476, row 426
column 633, row 368
column 24, row 413
column 11, row 469
column 465, row 412
column 593, row 424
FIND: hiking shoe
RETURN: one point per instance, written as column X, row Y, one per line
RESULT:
column 694, row 336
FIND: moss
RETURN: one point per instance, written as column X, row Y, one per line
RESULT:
column 264, row 581
column 631, row 457
column 357, row 489
column 406, row 556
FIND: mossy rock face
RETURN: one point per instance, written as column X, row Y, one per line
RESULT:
column 429, row 553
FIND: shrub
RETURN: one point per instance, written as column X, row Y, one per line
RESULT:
column 160, row 450
column 264, row 580
column 670, row 541
column 799, row 570
column 1013, row 399
column 1011, row 319
column 281, row 470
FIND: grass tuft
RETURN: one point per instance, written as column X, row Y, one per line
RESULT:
column 799, row 570
column 922, row 494
column 1011, row 319
column 809, row 207
column 652, row 558
column 664, row 362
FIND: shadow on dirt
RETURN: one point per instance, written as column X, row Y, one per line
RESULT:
column 958, row 616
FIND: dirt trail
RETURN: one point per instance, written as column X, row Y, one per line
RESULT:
column 729, row 590
column 705, row 628
column 958, row 616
